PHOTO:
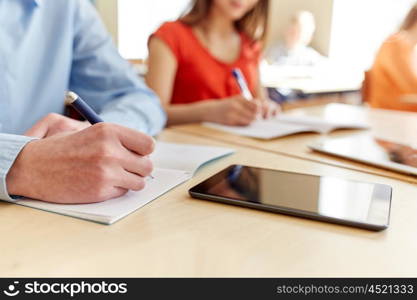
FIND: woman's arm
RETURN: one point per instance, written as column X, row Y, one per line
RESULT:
column 161, row 76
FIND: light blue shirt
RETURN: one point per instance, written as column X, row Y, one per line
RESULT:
column 50, row 46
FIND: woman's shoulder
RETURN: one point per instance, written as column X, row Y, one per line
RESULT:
column 397, row 40
column 172, row 27
column 395, row 47
column 250, row 46
column 175, row 35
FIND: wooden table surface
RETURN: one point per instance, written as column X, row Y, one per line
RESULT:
column 392, row 125
column 176, row 235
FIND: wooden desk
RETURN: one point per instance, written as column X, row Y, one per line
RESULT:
column 179, row 236
column 392, row 125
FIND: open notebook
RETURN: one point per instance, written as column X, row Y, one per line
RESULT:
column 174, row 164
column 284, row 125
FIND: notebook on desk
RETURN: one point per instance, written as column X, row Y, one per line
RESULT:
column 284, row 125
column 173, row 164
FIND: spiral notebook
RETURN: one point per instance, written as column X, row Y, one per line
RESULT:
column 174, row 164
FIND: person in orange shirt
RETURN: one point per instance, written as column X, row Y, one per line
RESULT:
column 191, row 62
column 392, row 80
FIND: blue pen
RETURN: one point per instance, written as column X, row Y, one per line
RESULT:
column 83, row 108
column 241, row 81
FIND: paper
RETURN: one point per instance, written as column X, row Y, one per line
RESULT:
column 261, row 129
column 285, row 125
column 112, row 210
column 320, row 125
column 174, row 164
column 185, row 156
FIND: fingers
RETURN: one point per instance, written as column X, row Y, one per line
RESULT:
column 117, row 192
column 134, row 140
column 139, row 165
column 131, row 181
column 251, row 105
column 54, row 124
column 241, row 121
column 39, row 130
column 269, row 109
column 248, row 109
column 125, row 151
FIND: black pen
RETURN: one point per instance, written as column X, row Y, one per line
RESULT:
column 83, row 108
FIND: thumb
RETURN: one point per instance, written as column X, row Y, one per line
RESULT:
column 39, row 130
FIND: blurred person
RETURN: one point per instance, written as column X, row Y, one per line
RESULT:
column 293, row 58
column 46, row 48
column 294, row 49
column 191, row 62
column 391, row 83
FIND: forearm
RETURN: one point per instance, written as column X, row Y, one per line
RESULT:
column 188, row 113
column 11, row 146
column 106, row 81
column 140, row 111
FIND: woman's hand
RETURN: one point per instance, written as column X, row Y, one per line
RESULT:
column 269, row 108
column 237, row 111
column 234, row 111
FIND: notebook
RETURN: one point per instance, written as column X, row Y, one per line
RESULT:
column 284, row 125
column 173, row 164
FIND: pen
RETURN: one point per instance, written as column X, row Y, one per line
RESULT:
column 243, row 85
column 241, row 81
column 84, row 109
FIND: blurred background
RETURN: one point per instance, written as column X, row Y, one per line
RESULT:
column 347, row 34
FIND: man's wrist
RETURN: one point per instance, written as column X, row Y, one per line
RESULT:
column 16, row 178
column 10, row 145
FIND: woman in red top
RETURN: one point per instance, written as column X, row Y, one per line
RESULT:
column 191, row 62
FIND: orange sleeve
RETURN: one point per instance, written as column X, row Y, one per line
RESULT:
column 397, row 60
column 169, row 34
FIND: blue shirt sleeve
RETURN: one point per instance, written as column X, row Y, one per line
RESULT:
column 108, row 82
column 10, row 146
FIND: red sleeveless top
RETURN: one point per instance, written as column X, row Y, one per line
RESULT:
column 200, row 76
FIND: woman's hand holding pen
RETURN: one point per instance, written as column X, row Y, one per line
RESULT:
column 266, row 107
column 234, row 111
column 98, row 163
column 237, row 111
column 269, row 108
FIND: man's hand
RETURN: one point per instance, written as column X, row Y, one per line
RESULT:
column 96, row 164
column 54, row 124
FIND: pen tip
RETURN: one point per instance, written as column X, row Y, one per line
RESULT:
column 237, row 72
column 70, row 97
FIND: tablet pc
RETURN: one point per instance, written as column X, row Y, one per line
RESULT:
column 324, row 198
